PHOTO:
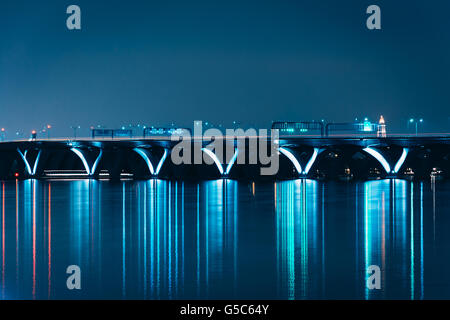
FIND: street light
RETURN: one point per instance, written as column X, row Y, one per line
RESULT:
column 48, row 131
column 416, row 122
column 33, row 135
column 75, row 131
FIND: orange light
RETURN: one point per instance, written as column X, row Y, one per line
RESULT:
column 49, row 126
column 3, row 129
column 33, row 132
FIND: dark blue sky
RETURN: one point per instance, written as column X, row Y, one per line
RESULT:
column 155, row 62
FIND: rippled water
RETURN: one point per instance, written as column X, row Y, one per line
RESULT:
column 157, row 239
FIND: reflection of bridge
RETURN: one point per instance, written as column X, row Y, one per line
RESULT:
column 300, row 156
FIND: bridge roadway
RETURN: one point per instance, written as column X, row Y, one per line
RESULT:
column 300, row 156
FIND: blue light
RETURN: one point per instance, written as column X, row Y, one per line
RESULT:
column 36, row 162
column 367, row 126
column 94, row 167
column 214, row 157
column 161, row 162
column 311, row 161
column 144, row 156
column 27, row 164
column 400, row 161
column 291, row 157
column 374, row 153
column 83, row 159
column 232, row 161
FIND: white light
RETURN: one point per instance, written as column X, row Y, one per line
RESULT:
column 97, row 161
column 291, row 157
column 36, row 162
column 374, row 153
column 311, row 161
column 27, row 165
column 232, row 161
column 83, row 159
column 400, row 161
column 161, row 162
column 214, row 157
column 144, row 156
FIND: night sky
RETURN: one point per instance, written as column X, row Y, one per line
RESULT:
column 157, row 62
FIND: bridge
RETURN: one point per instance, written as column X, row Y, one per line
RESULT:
column 299, row 157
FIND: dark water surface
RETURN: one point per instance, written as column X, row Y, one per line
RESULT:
column 157, row 239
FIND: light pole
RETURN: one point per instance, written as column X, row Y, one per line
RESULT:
column 416, row 122
column 48, row 131
column 75, row 131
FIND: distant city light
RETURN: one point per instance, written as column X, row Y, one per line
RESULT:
column 367, row 125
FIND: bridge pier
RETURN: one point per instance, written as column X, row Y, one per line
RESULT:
column 391, row 171
column 149, row 159
column 224, row 171
column 90, row 164
column 294, row 157
column 30, row 167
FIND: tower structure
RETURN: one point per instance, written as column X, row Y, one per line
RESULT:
column 381, row 133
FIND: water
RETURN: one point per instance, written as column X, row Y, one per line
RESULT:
column 157, row 239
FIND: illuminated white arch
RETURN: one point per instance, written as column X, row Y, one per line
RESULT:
column 214, row 157
column 161, row 162
column 377, row 155
column 144, row 156
column 232, row 161
column 94, row 167
column 291, row 157
column 89, row 171
column 400, row 161
column 311, row 160
column 27, row 164
column 374, row 153
column 83, row 159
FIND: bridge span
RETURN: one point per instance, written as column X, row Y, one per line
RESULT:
column 306, row 157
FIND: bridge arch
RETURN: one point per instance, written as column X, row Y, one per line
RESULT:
column 89, row 167
column 384, row 162
column 31, row 169
column 144, row 154
column 222, row 171
column 290, row 154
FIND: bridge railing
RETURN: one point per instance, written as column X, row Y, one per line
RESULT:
column 298, row 128
column 111, row 133
column 362, row 129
